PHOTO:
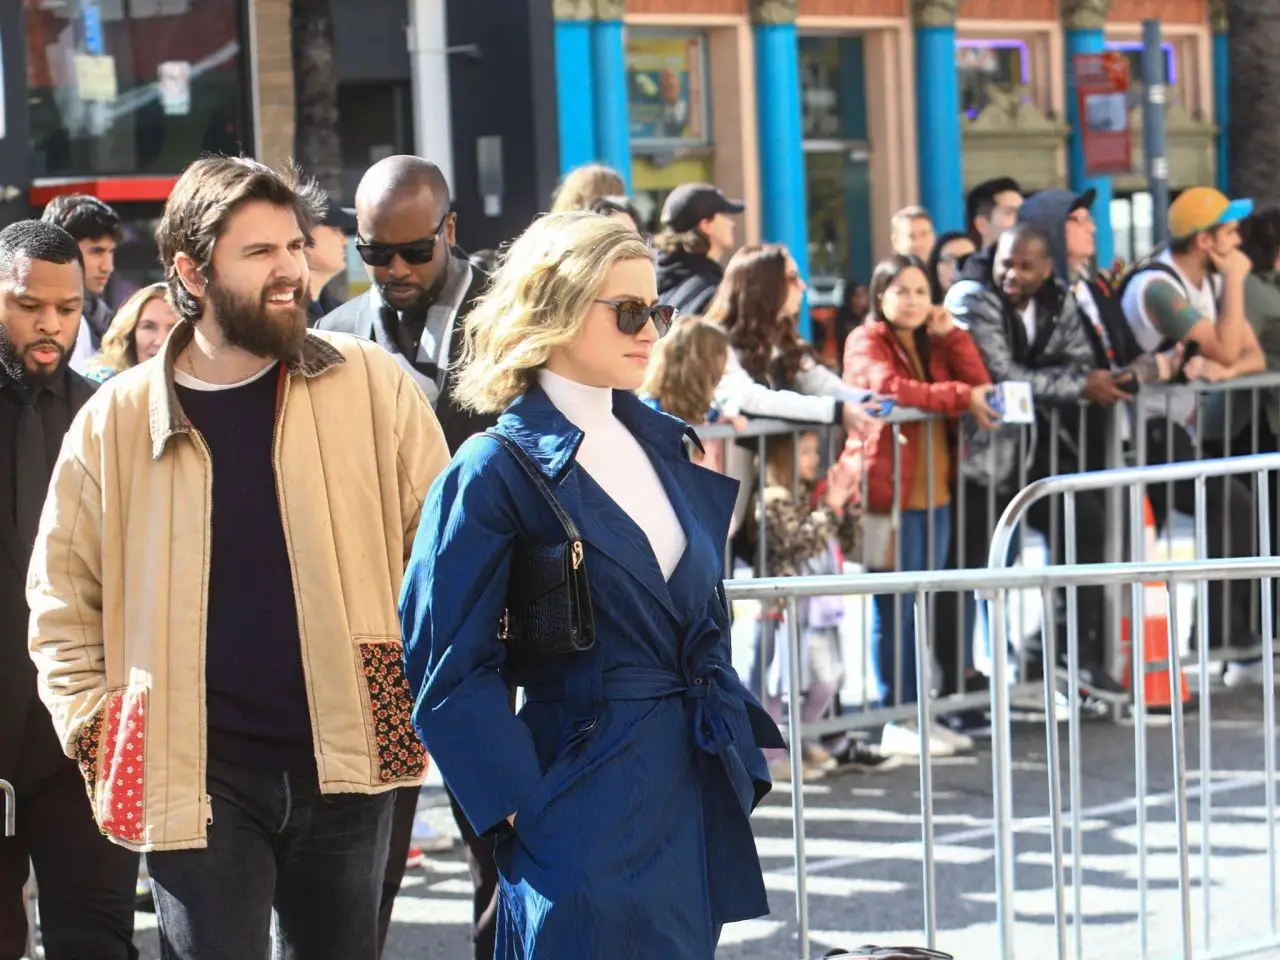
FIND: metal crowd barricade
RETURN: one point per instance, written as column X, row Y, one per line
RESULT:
column 1265, row 567
column 995, row 585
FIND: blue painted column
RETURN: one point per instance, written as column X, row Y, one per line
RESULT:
column 1084, row 34
column 1221, row 92
column 575, row 89
column 609, row 68
column 783, row 206
column 939, row 149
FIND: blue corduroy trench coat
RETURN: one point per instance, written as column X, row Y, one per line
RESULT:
column 632, row 768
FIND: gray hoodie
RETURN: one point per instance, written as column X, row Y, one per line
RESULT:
column 1047, row 211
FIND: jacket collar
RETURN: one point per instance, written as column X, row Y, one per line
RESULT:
column 551, row 441
column 166, row 417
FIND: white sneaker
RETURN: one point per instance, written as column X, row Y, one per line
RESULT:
column 959, row 742
column 903, row 740
column 1237, row 675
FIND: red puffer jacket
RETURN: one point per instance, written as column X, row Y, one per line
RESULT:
column 873, row 358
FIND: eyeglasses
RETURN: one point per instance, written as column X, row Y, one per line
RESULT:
column 415, row 253
column 634, row 314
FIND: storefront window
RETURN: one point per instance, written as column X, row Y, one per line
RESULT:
column 833, row 97
column 670, row 116
column 984, row 66
column 134, row 86
column 667, row 89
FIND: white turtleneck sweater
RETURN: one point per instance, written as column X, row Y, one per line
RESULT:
column 617, row 462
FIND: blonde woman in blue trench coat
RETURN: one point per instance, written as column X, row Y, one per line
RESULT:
column 620, row 796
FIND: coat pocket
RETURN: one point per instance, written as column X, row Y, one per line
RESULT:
column 399, row 753
column 111, row 752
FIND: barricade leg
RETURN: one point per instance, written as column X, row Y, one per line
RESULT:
column 797, row 774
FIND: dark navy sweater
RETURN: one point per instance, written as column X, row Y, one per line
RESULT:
column 255, row 689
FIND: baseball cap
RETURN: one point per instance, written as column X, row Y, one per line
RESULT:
column 1202, row 208
column 344, row 218
column 691, row 203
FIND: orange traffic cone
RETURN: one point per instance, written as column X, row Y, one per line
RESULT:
column 1156, row 643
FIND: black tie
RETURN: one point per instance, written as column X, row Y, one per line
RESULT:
column 33, row 471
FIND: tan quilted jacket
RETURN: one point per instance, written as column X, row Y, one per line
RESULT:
column 119, row 577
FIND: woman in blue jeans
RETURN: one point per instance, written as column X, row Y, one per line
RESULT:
column 912, row 352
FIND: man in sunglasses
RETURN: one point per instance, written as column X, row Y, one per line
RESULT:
column 423, row 288
column 423, row 284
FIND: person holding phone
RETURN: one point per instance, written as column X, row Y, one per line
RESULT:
column 912, row 353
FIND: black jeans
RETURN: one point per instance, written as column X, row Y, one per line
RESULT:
column 86, row 882
column 484, row 881
column 403, row 812
column 1232, row 531
column 276, row 844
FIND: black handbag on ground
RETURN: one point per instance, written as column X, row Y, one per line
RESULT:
column 548, row 604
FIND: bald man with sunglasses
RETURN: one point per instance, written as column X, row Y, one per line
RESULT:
column 423, row 287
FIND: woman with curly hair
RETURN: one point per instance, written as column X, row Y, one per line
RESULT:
column 619, row 797
column 137, row 333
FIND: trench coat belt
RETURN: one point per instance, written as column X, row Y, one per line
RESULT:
column 720, row 727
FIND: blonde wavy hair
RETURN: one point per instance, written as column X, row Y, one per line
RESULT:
column 686, row 367
column 537, row 300
column 119, row 349
column 584, row 185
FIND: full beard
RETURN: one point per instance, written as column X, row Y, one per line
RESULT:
column 13, row 362
column 271, row 332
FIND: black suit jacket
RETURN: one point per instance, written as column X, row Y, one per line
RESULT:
column 356, row 317
column 17, row 672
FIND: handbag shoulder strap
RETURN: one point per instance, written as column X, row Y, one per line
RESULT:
column 570, row 529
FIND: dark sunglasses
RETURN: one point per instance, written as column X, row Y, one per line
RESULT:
column 415, row 253
column 634, row 314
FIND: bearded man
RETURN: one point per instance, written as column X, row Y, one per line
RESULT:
column 213, row 590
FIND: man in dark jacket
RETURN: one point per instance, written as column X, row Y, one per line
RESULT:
column 697, row 233
column 1065, row 217
column 423, row 288
column 1025, row 326
column 423, row 284
column 86, row 882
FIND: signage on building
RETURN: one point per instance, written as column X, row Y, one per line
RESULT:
column 1102, row 88
column 95, row 77
column 666, row 89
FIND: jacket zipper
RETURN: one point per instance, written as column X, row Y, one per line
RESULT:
column 204, row 622
column 282, row 398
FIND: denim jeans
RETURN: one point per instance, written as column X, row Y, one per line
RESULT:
column 280, row 850
column 913, row 540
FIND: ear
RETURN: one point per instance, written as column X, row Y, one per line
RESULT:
column 451, row 229
column 190, row 275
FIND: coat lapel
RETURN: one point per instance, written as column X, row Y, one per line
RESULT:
column 608, row 528
column 703, row 501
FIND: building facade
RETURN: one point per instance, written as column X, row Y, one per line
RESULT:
column 824, row 115
column 828, row 115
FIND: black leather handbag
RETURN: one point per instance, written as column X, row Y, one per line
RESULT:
column 548, row 604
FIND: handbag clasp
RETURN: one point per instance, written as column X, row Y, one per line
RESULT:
column 577, row 554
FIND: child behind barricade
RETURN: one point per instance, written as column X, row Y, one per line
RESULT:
column 684, row 369
column 806, row 534
column 911, row 351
